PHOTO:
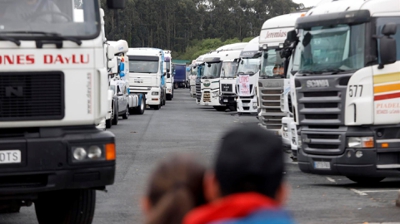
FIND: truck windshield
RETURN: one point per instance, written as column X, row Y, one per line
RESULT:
column 49, row 19
column 332, row 49
column 200, row 71
column 143, row 66
column 249, row 66
column 212, row 70
column 229, row 69
column 272, row 64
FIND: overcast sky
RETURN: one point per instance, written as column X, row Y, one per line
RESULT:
column 307, row 3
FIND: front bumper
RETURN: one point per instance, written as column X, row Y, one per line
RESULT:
column 46, row 162
column 228, row 99
column 210, row 98
column 150, row 99
column 374, row 162
column 247, row 104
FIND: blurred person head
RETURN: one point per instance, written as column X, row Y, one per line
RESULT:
column 175, row 187
column 246, row 185
column 249, row 159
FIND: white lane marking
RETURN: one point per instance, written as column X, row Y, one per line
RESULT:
column 331, row 180
column 358, row 192
column 378, row 191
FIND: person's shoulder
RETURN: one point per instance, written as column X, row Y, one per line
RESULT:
column 261, row 216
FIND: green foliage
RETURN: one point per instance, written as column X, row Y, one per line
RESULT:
column 191, row 27
column 247, row 39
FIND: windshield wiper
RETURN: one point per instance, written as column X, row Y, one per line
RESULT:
column 15, row 41
column 48, row 34
column 328, row 70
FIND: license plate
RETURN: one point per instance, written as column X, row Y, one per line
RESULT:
column 245, row 104
column 10, row 156
column 225, row 100
column 322, row 165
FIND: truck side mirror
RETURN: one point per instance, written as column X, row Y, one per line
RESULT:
column 110, row 52
column 116, row 4
column 387, row 45
column 291, row 36
column 389, row 29
column 110, row 64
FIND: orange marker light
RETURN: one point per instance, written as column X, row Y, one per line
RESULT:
column 110, row 151
column 385, row 145
column 368, row 142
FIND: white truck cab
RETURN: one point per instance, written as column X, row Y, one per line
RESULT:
column 169, row 78
column 247, row 78
column 228, row 73
column 346, row 101
column 272, row 77
column 53, row 81
column 146, row 73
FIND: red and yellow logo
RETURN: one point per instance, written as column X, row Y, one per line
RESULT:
column 387, row 86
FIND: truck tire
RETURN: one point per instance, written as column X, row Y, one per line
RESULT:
column 140, row 109
column 109, row 122
column 155, row 107
column 176, row 85
column 115, row 117
column 220, row 108
column 169, row 97
column 68, row 206
column 126, row 114
column 365, row 180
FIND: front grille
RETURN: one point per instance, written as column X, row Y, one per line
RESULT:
column 270, row 93
column 198, row 90
column 31, row 96
column 321, row 105
column 321, row 116
column 226, row 88
column 323, row 143
column 206, row 97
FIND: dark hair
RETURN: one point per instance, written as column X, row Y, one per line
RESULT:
column 250, row 159
column 176, row 187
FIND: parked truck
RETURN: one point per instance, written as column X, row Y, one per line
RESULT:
column 169, row 78
column 347, row 89
column 228, row 74
column 179, row 71
column 272, row 77
column 53, row 81
column 146, row 75
column 247, row 78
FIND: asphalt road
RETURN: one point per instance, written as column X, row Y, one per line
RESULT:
column 184, row 127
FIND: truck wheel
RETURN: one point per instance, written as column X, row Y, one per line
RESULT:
column 176, row 85
column 140, row 109
column 365, row 180
column 109, row 123
column 155, row 107
column 220, row 108
column 232, row 108
column 69, row 206
column 169, row 97
column 126, row 114
column 115, row 117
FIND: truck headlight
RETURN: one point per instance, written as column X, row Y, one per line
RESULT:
column 79, row 153
column 360, row 142
column 154, row 93
column 299, row 142
column 215, row 94
column 284, row 127
column 89, row 153
column 94, row 152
